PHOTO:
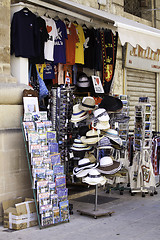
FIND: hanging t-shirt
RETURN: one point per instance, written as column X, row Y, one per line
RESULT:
column 53, row 33
column 59, row 43
column 71, row 43
column 79, row 53
column 89, row 48
column 24, row 34
column 97, row 51
column 43, row 38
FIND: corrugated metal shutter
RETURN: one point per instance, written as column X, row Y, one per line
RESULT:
column 141, row 84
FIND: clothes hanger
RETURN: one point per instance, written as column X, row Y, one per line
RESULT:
column 75, row 22
column 67, row 20
column 84, row 26
column 25, row 9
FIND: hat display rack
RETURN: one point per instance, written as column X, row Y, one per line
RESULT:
column 142, row 177
column 98, row 174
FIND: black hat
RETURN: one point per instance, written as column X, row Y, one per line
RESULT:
column 111, row 104
column 83, row 82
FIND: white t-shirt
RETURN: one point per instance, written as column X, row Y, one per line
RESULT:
column 53, row 33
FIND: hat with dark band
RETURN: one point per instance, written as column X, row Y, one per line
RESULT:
column 84, row 165
column 108, row 166
column 78, row 114
column 88, row 103
column 94, row 178
column 92, row 137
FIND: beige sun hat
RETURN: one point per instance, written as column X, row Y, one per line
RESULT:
column 94, row 178
column 92, row 137
column 101, row 125
column 78, row 114
column 88, row 103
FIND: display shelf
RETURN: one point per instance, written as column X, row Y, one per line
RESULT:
column 46, row 208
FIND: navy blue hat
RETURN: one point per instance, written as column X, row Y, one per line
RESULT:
column 111, row 104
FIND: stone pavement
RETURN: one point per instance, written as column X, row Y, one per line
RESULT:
column 134, row 218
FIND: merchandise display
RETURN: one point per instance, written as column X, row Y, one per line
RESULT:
column 47, row 172
column 142, row 178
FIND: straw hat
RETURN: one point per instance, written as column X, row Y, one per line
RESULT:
column 79, row 146
column 101, row 114
column 116, row 141
column 108, row 166
column 94, row 178
column 101, row 125
column 78, row 114
column 88, row 103
column 104, row 143
column 84, row 165
column 91, row 137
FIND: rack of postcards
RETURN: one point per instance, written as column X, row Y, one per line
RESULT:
column 46, row 170
column 142, row 178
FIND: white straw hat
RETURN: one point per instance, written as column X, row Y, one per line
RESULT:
column 94, row 178
column 88, row 103
column 78, row 114
column 92, row 137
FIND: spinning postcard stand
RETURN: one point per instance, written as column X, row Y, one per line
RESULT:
column 142, row 177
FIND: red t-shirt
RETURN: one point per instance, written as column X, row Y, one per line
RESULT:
column 71, row 43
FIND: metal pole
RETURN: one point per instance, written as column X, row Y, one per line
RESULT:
column 96, row 196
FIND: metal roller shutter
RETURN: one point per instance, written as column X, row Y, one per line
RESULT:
column 141, row 84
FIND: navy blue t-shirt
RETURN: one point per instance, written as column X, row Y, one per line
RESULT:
column 24, row 34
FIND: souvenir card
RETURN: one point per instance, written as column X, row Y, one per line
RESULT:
column 147, row 117
column 27, row 117
column 144, row 99
column 33, row 138
column 56, row 215
column 47, row 163
column 42, row 187
column 138, row 136
column 62, row 194
column 64, row 211
column 139, row 114
column 147, row 143
column 53, row 147
column 58, row 170
column 49, row 175
column 125, row 103
column 139, row 108
column 43, row 139
column 45, row 151
column 28, row 127
column 36, row 162
column 35, row 150
column 138, row 130
column 138, row 144
column 51, row 186
column 43, row 116
column 51, row 136
column 124, row 97
column 40, row 127
column 54, row 200
column 148, row 108
column 46, row 215
column 44, row 199
column 31, row 105
column 39, row 173
column 60, row 181
column 48, row 125
column 55, row 159
column 147, row 126
column 147, row 134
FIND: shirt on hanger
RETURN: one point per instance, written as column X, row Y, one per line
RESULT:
column 24, row 34
column 79, row 53
column 71, row 43
column 53, row 33
column 89, row 48
column 59, row 43
column 43, row 37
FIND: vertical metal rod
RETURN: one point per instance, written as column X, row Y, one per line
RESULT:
column 96, row 196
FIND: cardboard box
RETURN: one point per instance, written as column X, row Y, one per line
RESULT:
column 19, row 215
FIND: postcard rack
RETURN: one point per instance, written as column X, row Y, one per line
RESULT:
column 142, row 177
column 46, row 173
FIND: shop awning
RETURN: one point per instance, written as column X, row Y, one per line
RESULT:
column 129, row 31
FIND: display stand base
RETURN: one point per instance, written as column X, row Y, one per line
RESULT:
column 95, row 214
